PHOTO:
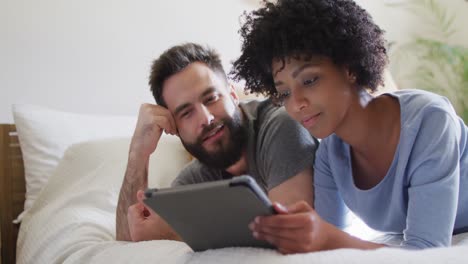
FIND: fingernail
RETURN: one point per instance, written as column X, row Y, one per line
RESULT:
column 282, row 207
column 255, row 234
column 251, row 226
column 257, row 220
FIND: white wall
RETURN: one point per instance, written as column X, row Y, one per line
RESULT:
column 93, row 56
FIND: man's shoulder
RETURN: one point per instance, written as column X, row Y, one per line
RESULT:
column 195, row 167
column 257, row 109
column 265, row 112
column 192, row 166
column 197, row 172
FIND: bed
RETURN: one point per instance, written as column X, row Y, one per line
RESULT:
column 72, row 219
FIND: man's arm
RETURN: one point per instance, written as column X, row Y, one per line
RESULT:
column 152, row 121
column 286, row 159
column 297, row 188
column 136, row 178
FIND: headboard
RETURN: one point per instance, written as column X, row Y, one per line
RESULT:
column 12, row 190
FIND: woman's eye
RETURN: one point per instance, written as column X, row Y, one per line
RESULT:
column 285, row 94
column 281, row 97
column 308, row 82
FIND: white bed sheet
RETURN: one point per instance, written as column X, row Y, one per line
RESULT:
column 73, row 221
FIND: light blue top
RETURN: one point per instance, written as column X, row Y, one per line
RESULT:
column 424, row 195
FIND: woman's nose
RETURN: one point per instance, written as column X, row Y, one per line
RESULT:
column 298, row 100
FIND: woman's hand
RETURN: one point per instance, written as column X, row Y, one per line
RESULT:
column 296, row 229
column 299, row 229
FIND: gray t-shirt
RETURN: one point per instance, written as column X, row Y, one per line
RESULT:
column 278, row 148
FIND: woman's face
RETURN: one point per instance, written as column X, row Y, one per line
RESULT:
column 315, row 92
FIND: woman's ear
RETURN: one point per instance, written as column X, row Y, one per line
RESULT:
column 350, row 76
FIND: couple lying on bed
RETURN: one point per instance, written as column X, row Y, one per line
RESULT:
column 399, row 161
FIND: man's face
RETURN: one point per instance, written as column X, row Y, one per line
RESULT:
column 206, row 114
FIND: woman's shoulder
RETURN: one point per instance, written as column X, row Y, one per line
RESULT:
column 423, row 100
column 333, row 147
column 419, row 105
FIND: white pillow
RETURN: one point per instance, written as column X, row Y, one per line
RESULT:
column 76, row 208
column 167, row 161
column 45, row 134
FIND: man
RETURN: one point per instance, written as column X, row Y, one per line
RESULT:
column 226, row 137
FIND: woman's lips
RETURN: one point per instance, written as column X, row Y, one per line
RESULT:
column 310, row 121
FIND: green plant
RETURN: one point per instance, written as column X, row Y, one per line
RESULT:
column 441, row 66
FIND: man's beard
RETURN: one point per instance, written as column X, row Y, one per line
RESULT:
column 226, row 155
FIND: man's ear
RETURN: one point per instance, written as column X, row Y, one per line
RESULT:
column 233, row 94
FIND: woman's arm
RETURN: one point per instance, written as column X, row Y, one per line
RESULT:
column 299, row 229
column 434, row 178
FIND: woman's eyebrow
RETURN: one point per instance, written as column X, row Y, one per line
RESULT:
column 303, row 67
column 297, row 71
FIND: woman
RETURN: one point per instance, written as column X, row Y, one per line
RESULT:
column 399, row 161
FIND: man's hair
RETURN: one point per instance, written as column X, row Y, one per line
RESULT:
column 337, row 29
column 175, row 60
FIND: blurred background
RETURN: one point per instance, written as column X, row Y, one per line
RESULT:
column 94, row 56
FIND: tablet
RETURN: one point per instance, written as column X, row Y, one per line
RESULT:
column 213, row 214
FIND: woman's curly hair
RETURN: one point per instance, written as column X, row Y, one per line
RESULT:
column 337, row 29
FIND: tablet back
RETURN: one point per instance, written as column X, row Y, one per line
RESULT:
column 215, row 214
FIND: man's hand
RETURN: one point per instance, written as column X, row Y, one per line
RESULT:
column 146, row 225
column 152, row 121
column 142, row 224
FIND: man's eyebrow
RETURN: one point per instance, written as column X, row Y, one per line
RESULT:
column 208, row 90
column 181, row 107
